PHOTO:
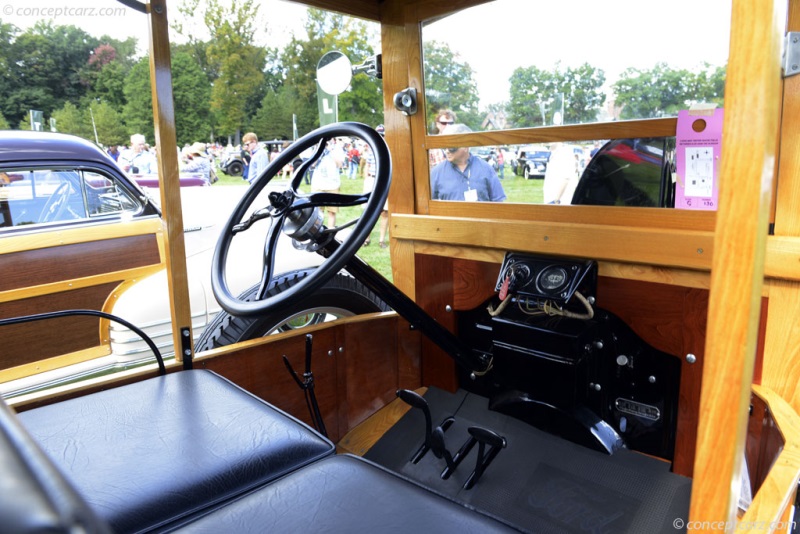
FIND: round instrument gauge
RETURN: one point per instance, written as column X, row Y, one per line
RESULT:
column 552, row 279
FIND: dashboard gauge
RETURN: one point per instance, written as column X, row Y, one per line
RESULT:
column 552, row 279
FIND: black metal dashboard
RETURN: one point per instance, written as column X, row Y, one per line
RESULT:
column 564, row 364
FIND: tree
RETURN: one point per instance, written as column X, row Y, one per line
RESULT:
column 44, row 66
column 108, row 124
column 449, row 83
column 662, row 91
column 274, row 118
column 138, row 100
column 192, row 94
column 239, row 62
column 537, row 95
column 71, row 120
column 4, row 123
column 326, row 31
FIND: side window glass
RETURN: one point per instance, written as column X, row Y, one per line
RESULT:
column 104, row 196
column 45, row 196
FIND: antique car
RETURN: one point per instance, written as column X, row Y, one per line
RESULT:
column 531, row 162
column 544, row 368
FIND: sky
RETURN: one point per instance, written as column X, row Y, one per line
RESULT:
column 493, row 38
column 613, row 35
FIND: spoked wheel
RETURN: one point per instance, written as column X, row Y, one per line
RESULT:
column 341, row 296
column 298, row 215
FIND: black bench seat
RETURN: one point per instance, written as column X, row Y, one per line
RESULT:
column 342, row 494
column 148, row 453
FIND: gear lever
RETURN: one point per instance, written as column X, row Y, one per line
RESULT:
column 415, row 400
column 484, row 437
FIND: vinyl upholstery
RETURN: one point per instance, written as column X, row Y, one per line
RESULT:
column 148, row 453
column 343, row 494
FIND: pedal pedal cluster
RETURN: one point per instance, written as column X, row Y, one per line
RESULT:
column 489, row 442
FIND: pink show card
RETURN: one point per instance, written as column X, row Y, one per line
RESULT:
column 698, row 149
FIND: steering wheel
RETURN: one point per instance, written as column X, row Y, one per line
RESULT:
column 57, row 204
column 298, row 215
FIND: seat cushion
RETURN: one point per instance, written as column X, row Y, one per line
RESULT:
column 342, row 494
column 147, row 453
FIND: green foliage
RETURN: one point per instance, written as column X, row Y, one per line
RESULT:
column 274, row 118
column 450, row 83
column 536, row 95
column 240, row 64
column 662, row 91
column 43, row 68
column 108, row 124
column 327, row 31
column 138, row 111
column 71, row 120
column 191, row 93
column 4, row 123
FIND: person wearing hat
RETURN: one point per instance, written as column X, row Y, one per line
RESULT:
column 197, row 161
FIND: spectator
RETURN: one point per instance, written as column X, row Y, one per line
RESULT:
column 369, row 184
column 464, row 176
column 561, row 176
column 354, row 158
column 444, row 118
column 259, row 158
column 326, row 177
column 137, row 160
column 501, row 164
column 197, row 161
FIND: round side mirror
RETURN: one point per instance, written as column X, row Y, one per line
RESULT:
column 334, row 73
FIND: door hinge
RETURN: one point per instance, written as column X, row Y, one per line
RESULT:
column 791, row 54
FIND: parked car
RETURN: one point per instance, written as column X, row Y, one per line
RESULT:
column 77, row 232
column 629, row 172
column 233, row 164
column 531, row 162
column 487, row 154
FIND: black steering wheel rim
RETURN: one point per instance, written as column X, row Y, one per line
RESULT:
column 335, row 261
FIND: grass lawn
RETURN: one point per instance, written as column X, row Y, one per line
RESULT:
column 517, row 188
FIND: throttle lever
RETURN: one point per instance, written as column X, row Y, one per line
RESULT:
column 484, row 437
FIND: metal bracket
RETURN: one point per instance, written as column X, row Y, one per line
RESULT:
column 791, row 54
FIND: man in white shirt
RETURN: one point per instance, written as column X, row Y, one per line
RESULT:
column 137, row 159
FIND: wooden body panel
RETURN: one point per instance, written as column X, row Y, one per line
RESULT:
column 356, row 362
column 34, row 267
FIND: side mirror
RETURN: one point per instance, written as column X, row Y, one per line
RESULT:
column 334, row 73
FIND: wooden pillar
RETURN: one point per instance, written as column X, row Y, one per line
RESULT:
column 169, row 179
column 752, row 106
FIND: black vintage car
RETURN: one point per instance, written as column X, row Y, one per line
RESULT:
column 531, row 162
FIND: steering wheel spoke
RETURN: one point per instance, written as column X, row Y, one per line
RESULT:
column 337, row 199
column 270, row 245
column 299, row 216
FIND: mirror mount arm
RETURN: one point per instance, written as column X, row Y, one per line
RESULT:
column 372, row 66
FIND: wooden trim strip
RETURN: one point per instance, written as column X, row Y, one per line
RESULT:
column 79, row 234
column 78, row 283
column 548, row 134
column 656, row 246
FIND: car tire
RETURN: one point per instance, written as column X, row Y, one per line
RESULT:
column 341, row 296
column 526, row 173
column 235, row 168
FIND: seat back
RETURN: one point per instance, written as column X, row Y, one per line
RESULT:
column 36, row 496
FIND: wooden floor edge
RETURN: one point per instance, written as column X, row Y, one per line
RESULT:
column 361, row 438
